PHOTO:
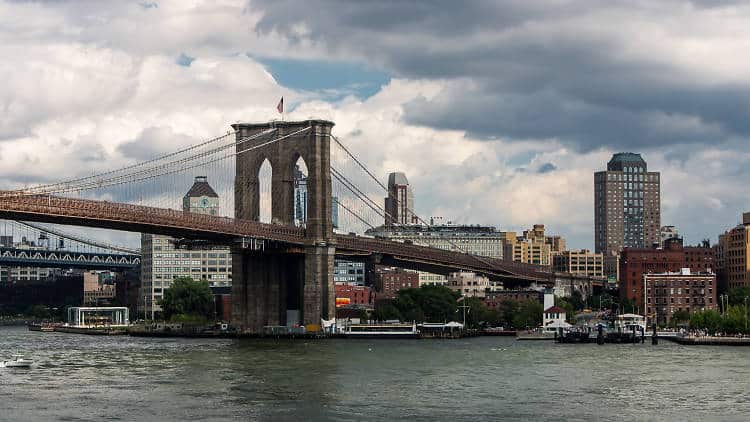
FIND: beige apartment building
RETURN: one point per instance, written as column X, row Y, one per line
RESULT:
column 581, row 262
column 469, row 284
column 733, row 254
column 533, row 247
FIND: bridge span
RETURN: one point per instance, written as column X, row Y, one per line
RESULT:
column 292, row 268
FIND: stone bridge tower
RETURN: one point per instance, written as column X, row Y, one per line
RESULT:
column 276, row 284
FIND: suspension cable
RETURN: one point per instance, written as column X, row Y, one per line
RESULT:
column 130, row 176
column 139, row 164
column 354, row 214
column 369, row 173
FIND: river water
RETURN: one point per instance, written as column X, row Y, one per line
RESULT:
column 88, row 378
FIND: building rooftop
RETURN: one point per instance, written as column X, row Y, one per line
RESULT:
column 201, row 188
column 397, row 178
column 555, row 309
column 625, row 158
column 433, row 230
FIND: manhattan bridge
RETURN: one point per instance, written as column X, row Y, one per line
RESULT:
column 278, row 263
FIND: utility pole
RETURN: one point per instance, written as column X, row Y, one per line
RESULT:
column 464, row 309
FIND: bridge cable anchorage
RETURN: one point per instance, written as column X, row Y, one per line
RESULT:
column 150, row 172
column 142, row 163
column 95, row 243
column 421, row 220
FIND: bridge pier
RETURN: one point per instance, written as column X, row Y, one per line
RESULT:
column 268, row 282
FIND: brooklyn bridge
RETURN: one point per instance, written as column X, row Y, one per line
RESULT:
column 272, row 257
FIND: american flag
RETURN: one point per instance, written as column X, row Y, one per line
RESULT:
column 280, row 107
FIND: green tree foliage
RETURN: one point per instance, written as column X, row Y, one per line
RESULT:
column 507, row 310
column 529, row 314
column 387, row 312
column 427, row 304
column 576, row 299
column 679, row 317
column 188, row 299
column 709, row 320
column 734, row 321
column 570, row 309
column 737, row 295
column 38, row 312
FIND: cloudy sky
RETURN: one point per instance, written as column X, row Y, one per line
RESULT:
column 498, row 112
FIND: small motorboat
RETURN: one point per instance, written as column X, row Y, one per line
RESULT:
column 17, row 361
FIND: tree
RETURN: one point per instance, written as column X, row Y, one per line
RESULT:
column 427, row 303
column 576, row 299
column 569, row 308
column 529, row 314
column 680, row 316
column 188, row 298
column 38, row 312
column 737, row 295
column 386, row 312
column 710, row 320
column 507, row 310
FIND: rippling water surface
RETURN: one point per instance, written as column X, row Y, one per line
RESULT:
column 88, row 378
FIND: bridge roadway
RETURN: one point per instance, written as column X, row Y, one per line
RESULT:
column 138, row 218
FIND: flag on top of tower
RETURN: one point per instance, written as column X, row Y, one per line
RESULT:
column 280, row 106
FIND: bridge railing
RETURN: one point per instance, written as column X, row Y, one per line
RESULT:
column 139, row 214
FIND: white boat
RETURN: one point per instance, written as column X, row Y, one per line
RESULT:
column 626, row 322
column 17, row 361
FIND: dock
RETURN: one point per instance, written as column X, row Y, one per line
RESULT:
column 709, row 340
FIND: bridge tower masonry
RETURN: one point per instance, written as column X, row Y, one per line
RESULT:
column 270, row 285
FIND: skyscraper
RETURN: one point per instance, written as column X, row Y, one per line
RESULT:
column 626, row 205
column 399, row 205
column 300, row 200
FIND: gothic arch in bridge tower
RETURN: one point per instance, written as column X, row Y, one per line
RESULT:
column 299, row 172
column 265, row 192
column 279, row 285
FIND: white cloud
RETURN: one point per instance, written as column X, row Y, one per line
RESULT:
column 85, row 92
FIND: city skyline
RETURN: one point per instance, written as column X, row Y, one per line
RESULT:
column 457, row 131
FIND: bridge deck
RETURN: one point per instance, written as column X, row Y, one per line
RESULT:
column 138, row 218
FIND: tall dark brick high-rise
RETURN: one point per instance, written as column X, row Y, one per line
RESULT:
column 626, row 205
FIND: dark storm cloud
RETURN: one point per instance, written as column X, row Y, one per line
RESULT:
column 528, row 70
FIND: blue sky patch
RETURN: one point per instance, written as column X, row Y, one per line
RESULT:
column 332, row 79
column 185, row 60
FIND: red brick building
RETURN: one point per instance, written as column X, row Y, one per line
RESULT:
column 356, row 295
column 635, row 263
column 390, row 280
column 678, row 291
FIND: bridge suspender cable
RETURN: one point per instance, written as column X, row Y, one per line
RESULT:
column 139, row 164
column 369, row 173
column 354, row 214
column 160, row 170
column 153, row 171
